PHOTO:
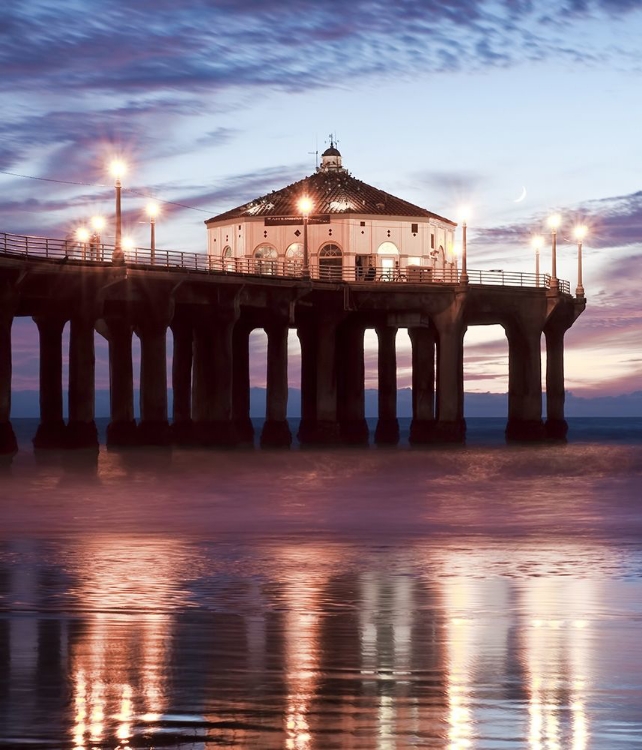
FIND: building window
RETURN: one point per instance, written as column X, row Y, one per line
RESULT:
column 265, row 260
column 387, row 248
column 330, row 262
column 414, row 228
column 228, row 259
column 294, row 259
column 432, row 241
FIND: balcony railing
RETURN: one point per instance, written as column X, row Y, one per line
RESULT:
column 74, row 252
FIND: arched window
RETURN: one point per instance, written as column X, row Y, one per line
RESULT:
column 228, row 259
column 387, row 248
column 294, row 259
column 265, row 260
column 330, row 262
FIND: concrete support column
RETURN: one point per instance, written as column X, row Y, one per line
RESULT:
column 422, row 427
column 241, row 383
column 387, row 432
column 81, row 429
column 556, row 424
column 153, row 428
column 8, row 443
column 351, row 393
column 182, row 382
column 524, row 384
column 276, row 431
column 308, row 339
column 202, row 375
column 450, row 425
column 212, row 384
column 121, row 429
column 51, row 431
column 319, row 422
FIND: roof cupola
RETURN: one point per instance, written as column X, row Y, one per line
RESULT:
column 331, row 158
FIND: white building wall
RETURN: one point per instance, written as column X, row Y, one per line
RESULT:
column 346, row 231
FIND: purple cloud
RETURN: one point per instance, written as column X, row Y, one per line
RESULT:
column 212, row 46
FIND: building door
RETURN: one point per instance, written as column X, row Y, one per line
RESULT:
column 331, row 263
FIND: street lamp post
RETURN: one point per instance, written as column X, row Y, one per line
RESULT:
column 538, row 244
column 82, row 235
column 553, row 223
column 580, row 234
column 152, row 212
column 305, row 206
column 97, row 224
column 118, row 169
column 464, row 214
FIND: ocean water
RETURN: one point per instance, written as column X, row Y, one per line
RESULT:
column 479, row 597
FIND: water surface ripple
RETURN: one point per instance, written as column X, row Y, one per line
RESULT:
column 481, row 597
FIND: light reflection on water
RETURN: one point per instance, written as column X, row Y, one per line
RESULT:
column 312, row 650
column 449, row 599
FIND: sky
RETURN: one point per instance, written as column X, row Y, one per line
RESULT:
column 214, row 103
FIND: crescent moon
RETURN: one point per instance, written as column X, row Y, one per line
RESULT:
column 521, row 197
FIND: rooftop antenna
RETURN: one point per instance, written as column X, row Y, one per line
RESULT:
column 315, row 152
column 333, row 140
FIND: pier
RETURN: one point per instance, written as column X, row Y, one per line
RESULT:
column 212, row 305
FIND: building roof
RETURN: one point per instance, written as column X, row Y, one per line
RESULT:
column 332, row 191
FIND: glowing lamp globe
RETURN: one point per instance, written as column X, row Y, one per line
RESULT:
column 97, row 223
column 554, row 221
column 118, row 168
column 580, row 232
column 152, row 209
column 305, row 205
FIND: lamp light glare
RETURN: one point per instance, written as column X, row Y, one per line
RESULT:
column 464, row 214
column 580, row 232
column 97, row 223
column 153, row 209
column 537, row 242
column 118, row 168
column 305, row 205
column 127, row 243
column 82, row 234
column 554, row 221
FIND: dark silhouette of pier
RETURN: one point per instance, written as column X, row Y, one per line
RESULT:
column 212, row 308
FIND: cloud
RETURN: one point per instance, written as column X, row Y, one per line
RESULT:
column 56, row 203
column 613, row 222
column 201, row 46
column 460, row 183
